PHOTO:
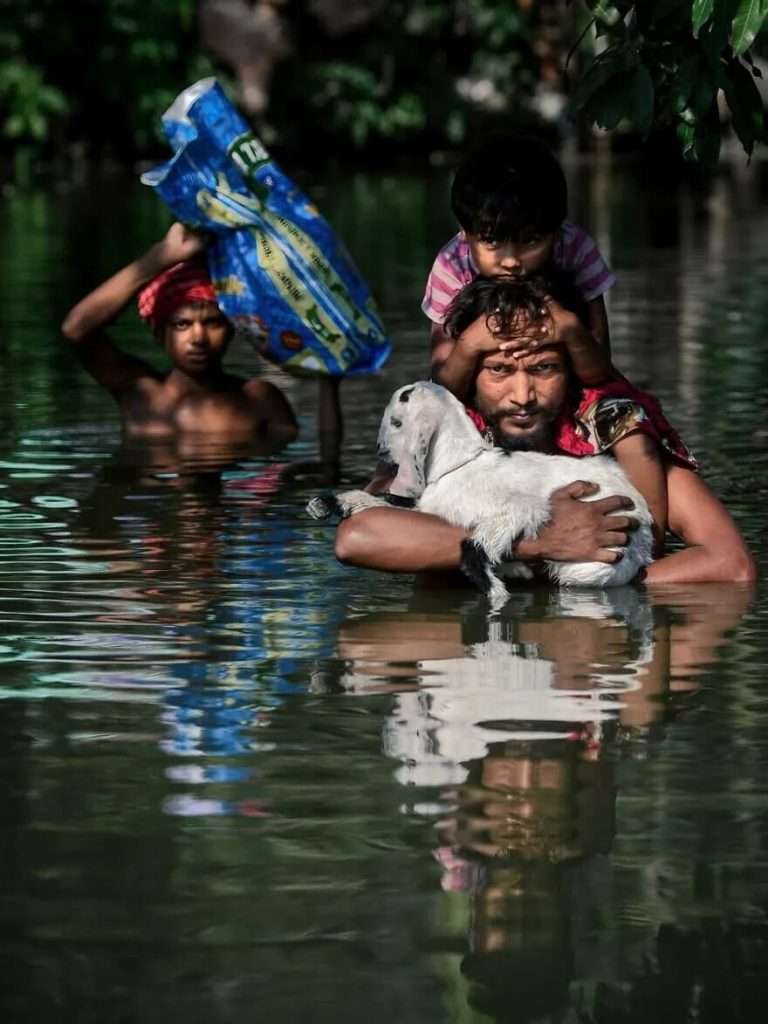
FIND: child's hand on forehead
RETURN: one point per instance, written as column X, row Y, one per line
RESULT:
column 527, row 334
column 480, row 338
column 556, row 326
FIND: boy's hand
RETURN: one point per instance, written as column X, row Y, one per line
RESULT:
column 478, row 340
column 558, row 326
column 181, row 243
column 562, row 326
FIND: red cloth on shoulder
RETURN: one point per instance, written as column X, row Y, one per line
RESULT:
column 177, row 286
column 605, row 415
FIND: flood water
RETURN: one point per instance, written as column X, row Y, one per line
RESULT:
column 241, row 782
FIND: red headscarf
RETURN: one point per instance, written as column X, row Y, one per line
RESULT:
column 177, row 286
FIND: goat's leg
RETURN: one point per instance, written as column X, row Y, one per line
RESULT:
column 478, row 568
column 343, row 504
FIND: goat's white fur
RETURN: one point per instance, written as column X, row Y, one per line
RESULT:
column 452, row 472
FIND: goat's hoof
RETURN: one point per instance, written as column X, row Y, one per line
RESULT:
column 498, row 595
column 323, row 507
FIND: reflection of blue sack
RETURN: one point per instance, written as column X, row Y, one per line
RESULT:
column 279, row 271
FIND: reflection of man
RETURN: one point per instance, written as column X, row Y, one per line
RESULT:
column 527, row 825
column 520, row 399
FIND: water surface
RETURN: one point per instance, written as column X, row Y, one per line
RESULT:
column 243, row 782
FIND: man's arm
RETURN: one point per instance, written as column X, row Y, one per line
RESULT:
column 589, row 354
column 83, row 325
column 398, row 540
column 641, row 459
column 715, row 550
column 454, row 360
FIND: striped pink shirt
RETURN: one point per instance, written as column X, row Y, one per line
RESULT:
column 574, row 252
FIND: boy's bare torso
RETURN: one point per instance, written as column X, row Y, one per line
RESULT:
column 158, row 406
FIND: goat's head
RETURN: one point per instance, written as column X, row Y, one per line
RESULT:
column 425, row 433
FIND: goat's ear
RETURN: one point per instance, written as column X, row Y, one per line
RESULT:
column 410, row 479
column 409, row 482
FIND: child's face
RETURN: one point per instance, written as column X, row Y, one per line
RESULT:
column 513, row 259
column 196, row 337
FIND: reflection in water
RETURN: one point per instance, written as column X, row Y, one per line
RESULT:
column 525, row 837
column 240, row 779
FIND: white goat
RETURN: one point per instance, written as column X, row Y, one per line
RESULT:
column 451, row 471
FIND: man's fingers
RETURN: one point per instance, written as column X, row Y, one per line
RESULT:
column 578, row 489
column 614, row 538
column 606, row 555
column 622, row 523
column 613, row 503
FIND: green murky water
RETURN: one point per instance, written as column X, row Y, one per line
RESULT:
column 241, row 782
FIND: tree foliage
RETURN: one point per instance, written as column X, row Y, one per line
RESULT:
column 383, row 78
column 666, row 62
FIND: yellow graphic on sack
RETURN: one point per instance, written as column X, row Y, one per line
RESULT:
column 319, row 264
column 230, row 285
column 274, row 262
column 233, row 209
column 230, row 209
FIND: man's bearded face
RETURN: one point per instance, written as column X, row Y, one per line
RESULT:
column 522, row 398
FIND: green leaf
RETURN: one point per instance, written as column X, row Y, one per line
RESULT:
column 14, row 126
column 38, row 126
column 685, row 79
column 686, row 133
column 700, row 14
column 605, row 12
column 747, row 23
column 745, row 104
column 642, row 97
column 705, row 87
column 715, row 35
column 707, row 138
column 612, row 62
column 627, row 96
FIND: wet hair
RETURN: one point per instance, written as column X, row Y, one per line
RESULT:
column 510, row 305
column 511, row 187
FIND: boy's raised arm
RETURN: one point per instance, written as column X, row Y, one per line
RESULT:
column 83, row 324
column 103, row 304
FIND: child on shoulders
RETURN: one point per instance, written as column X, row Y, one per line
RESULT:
column 510, row 197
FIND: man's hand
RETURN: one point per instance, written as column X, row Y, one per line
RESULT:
column 180, row 243
column 581, row 531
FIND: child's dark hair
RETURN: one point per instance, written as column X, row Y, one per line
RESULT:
column 510, row 187
column 510, row 305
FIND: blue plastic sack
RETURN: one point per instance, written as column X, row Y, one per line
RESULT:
column 279, row 271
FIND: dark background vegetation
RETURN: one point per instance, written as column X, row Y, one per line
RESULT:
column 375, row 81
